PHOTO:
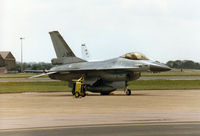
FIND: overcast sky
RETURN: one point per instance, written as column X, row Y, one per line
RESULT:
column 161, row 29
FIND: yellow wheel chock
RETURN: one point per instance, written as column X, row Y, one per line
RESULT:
column 79, row 88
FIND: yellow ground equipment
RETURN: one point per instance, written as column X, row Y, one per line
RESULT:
column 79, row 88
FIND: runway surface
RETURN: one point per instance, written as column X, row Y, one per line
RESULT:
column 144, row 113
column 28, row 110
column 146, row 129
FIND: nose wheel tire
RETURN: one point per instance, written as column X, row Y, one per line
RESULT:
column 128, row 92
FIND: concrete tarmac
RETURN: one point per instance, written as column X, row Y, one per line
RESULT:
column 28, row 110
column 145, row 129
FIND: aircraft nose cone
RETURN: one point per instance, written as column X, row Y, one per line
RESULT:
column 159, row 68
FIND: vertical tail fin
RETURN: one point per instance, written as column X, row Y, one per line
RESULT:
column 61, row 47
column 63, row 52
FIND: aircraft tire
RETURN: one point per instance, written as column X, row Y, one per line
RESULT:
column 84, row 94
column 84, row 90
column 73, row 89
column 77, row 94
column 73, row 92
column 128, row 92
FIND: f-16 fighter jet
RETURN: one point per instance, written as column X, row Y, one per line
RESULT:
column 101, row 77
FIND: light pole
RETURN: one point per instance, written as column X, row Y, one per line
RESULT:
column 21, row 54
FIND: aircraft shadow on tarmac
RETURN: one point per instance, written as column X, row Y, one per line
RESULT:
column 88, row 95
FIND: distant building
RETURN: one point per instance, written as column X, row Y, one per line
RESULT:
column 2, row 62
column 7, row 61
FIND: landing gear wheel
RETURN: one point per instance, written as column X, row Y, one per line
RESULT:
column 73, row 89
column 77, row 94
column 128, row 92
column 73, row 92
column 83, row 94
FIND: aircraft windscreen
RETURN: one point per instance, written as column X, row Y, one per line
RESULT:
column 135, row 56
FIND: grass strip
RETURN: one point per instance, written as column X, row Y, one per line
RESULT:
column 20, row 75
column 164, row 84
column 157, row 75
column 18, row 87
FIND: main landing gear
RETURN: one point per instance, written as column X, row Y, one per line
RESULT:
column 79, row 88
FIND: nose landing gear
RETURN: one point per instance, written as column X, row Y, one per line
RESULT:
column 128, row 92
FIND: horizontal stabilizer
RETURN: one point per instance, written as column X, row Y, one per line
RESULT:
column 44, row 74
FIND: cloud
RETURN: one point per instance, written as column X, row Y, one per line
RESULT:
column 161, row 29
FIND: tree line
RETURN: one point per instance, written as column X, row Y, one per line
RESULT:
column 183, row 64
column 33, row 66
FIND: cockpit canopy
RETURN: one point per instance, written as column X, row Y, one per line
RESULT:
column 135, row 56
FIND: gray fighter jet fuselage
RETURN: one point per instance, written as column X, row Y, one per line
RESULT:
column 100, row 76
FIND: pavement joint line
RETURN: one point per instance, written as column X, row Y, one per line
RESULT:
column 103, row 125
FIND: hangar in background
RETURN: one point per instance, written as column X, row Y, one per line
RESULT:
column 7, row 62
